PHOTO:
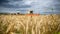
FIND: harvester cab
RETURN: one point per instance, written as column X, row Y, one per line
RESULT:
column 30, row 12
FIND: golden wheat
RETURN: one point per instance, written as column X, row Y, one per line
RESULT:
column 23, row 24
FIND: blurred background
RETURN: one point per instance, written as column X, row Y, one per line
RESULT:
column 23, row 6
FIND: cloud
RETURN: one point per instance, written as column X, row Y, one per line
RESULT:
column 3, row 1
column 37, row 6
column 46, row 6
column 56, row 5
column 13, row 5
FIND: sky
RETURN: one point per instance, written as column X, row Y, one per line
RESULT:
column 23, row 6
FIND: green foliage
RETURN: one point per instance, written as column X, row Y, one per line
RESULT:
column 56, row 32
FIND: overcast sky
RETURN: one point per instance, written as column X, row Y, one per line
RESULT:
column 23, row 6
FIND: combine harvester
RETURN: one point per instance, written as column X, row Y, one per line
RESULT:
column 30, row 13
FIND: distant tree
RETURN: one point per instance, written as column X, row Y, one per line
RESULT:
column 18, row 13
column 31, row 12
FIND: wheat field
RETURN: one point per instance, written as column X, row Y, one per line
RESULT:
column 24, row 24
